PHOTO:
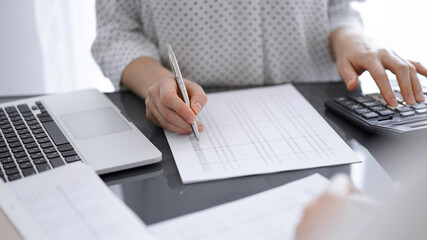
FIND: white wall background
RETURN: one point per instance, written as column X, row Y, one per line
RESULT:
column 398, row 25
column 66, row 30
column 45, row 44
column 45, row 47
column 20, row 53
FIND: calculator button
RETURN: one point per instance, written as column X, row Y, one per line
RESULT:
column 419, row 106
column 371, row 103
column 389, row 117
column 347, row 102
column 386, row 112
column 403, row 109
column 399, row 97
column 341, row 99
column 362, row 110
column 377, row 108
column 360, row 98
column 370, row 115
column 354, row 106
column 421, row 111
column 407, row 114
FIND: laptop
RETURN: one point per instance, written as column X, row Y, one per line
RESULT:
column 41, row 133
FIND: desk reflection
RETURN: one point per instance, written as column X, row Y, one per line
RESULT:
column 158, row 194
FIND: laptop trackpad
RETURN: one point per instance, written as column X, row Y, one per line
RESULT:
column 95, row 123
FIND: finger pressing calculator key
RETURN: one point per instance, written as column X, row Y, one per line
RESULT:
column 372, row 113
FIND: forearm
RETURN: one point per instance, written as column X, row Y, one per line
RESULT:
column 142, row 73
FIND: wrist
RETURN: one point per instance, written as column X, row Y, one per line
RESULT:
column 344, row 38
column 142, row 73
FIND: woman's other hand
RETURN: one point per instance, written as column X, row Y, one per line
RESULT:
column 355, row 53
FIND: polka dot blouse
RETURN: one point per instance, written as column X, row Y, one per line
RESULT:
column 224, row 42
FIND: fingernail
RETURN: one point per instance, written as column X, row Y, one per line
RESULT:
column 352, row 84
column 200, row 127
column 421, row 96
column 393, row 102
column 197, row 108
column 189, row 118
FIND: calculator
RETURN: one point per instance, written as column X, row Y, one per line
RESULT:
column 371, row 112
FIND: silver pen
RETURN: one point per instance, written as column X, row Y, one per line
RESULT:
column 178, row 77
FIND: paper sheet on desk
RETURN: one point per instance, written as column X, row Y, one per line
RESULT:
column 272, row 214
column 72, row 202
column 256, row 131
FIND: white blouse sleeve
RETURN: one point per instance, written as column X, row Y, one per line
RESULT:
column 341, row 14
column 120, row 37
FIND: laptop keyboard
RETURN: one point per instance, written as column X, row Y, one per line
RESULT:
column 31, row 142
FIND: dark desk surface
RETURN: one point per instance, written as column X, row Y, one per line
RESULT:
column 156, row 193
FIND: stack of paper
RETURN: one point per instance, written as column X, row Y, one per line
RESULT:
column 273, row 214
column 72, row 202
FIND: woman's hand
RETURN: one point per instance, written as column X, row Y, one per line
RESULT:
column 157, row 85
column 167, row 109
column 354, row 53
column 323, row 214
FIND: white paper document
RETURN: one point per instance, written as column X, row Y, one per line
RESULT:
column 72, row 202
column 272, row 214
column 256, row 131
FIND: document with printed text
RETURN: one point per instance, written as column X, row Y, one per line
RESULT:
column 255, row 131
column 273, row 214
column 72, row 202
